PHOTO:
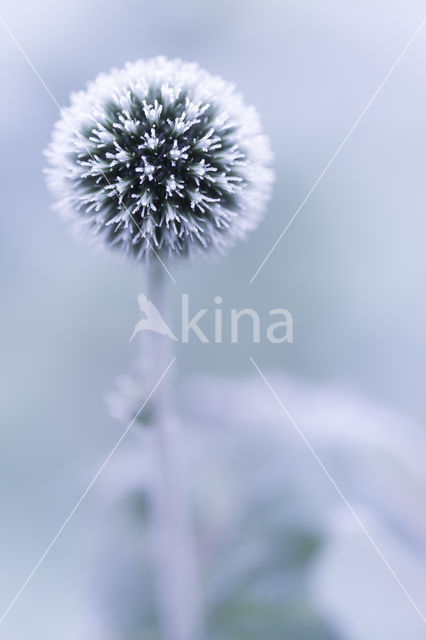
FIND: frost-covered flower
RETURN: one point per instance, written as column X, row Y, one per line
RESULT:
column 160, row 155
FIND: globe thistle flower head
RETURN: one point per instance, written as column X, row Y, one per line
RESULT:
column 160, row 156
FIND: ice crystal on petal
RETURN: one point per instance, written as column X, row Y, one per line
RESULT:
column 160, row 155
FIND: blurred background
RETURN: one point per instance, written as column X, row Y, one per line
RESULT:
column 351, row 270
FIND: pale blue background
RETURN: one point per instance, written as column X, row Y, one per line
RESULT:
column 351, row 268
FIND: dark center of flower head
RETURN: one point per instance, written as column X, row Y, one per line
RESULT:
column 163, row 168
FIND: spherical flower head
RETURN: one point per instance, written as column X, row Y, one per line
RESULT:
column 160, row 157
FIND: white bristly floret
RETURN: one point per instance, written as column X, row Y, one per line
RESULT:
column 160, row 155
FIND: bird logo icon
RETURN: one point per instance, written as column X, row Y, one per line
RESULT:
column 153, row 320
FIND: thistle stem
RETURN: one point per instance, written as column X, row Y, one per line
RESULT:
column 176, row 566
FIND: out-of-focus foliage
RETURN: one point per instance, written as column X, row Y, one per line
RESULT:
column 268, row 521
